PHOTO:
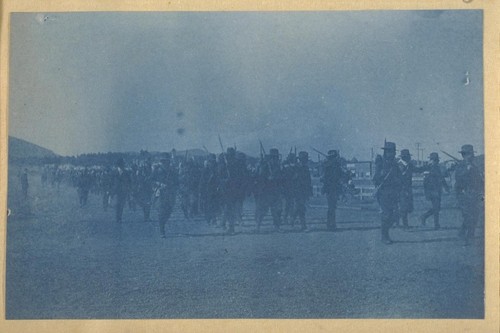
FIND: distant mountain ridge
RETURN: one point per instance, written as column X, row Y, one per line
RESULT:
column 22, row 149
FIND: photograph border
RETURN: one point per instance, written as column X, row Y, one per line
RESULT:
column 491, row 61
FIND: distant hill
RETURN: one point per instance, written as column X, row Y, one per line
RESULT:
column 20, row 150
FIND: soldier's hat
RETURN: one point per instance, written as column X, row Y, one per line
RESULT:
column 120, row 162
column 230, row 151
column 333, row 153
column 389, row 146
column 467, row 149
column 303, row 155
column 405, row 152
column 434, row 156
column 274, row 152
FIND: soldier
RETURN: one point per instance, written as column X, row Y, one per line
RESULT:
column 469, row 187
column 222, row 177
column 106, row 187
column 387, row 180
column 122, row 183
column 144, row 188
column 184, row 189
column 332, row 186
column 209, row 183
column 24, row 183
column 132, row 196
column 289, row 173
column 194, row 186
column 302, row 189
column 434, row 182
column 167, row 182
column 244, row 188
column 45, row 175
column 407, row 168
column 232, row 180
column 270, row 189
column 83, row 187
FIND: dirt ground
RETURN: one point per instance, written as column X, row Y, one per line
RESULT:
column 66, row 262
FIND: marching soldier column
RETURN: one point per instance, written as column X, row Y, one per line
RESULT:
column 220, row 187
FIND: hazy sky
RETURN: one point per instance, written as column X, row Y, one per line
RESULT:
column 89, row 82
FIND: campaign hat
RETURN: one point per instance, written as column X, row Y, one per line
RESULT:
column 303, row 155
column 467, row 149
column 434, row 156
column 389, row 146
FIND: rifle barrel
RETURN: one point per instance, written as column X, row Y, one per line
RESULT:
column 220, row 142
column 449, row 155
column 319, row 152
column 262, row 149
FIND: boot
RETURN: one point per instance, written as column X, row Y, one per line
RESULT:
column 385, row 237
column 405, row 222
column 436, row 222
column 332, row 222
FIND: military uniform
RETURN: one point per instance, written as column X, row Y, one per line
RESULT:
column 244, row 185
column 184, row 189
column 194, row 186
column 232, row 185
column 106, row 183
column 407, row 168
column 84, row 184
column 122, row 183
column 289, row 175
column 434, row 183
column 302, row 189
column 144, row 189
column 167, row 180
column 332, row 186
column 387, row 180
column 469, row 187
column 209, row 196
column 24, row 183
column 269, row 189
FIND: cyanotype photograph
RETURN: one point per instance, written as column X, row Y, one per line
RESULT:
column 262, row 165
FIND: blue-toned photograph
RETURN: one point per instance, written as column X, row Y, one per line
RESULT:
column 212, row 165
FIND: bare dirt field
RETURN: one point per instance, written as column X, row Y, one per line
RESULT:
column 66, row 262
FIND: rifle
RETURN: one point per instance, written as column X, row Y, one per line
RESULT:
column 449, row 155
column 264, row 159
column 319, row 152
column 205, row 148
column 453, row 157
column 377, row 189
column 262, row 150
